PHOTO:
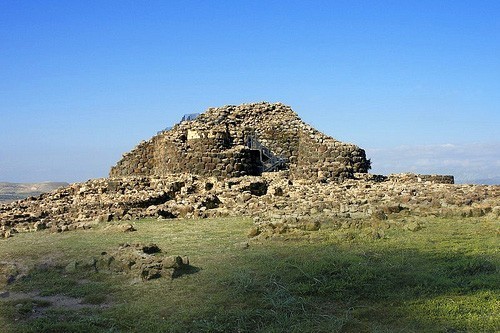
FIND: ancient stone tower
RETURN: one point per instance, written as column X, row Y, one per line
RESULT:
column 248, row 139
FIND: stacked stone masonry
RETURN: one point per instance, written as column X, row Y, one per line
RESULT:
column 214, row 144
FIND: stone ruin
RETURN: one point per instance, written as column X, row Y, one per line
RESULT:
column 249, row 139
column 258, row 160
column 145, row 261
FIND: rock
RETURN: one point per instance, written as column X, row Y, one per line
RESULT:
column 246, row 196
column 256, row 187
column 151, row 271
column 278, row 191
column 242, row 245
column 211, row 202
column 142, row 261
column 71, row 266
column 127, row 227
column 106, row 217
column 254, row 231
column 379, row 215
column 413, row 226
column 40, row 226
column 8, row 273
column 150, row 248
column 313, row 226
column 172, row 262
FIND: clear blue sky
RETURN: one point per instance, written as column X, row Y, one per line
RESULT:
column 415, row 83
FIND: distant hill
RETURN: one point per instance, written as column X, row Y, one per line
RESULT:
column 15, row 191
column 480, row 181
column 488, row 181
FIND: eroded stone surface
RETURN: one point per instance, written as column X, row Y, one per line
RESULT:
column 145, row 261
column 80, row 206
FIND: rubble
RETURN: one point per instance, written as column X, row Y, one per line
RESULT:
column 143, row 261
column 81, row 206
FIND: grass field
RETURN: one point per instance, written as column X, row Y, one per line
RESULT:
column 443, row 277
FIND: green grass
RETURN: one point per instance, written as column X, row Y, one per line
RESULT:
column 442, row 278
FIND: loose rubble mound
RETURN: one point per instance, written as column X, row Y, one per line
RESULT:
column 269, row 197
column 205, row 168
column 142, row 261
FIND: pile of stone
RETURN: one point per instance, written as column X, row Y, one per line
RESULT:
column 144, row 261
column 80, row 206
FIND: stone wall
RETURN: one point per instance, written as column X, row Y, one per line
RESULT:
column 325, row 159
column 139, row 161
column 214, row 145
column 167, row 154
column 411, row 177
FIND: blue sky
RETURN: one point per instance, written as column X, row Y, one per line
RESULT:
column 415, row 83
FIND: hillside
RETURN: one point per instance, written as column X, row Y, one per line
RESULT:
column 15, row 191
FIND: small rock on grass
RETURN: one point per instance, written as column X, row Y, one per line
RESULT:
column 127, row 228
column 254, row 231
column 142, row 261
column 413, row 226
column 242, row 245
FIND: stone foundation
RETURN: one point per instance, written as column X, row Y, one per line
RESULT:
column 79, row 206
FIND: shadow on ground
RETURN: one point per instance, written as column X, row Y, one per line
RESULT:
column 294, row 286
